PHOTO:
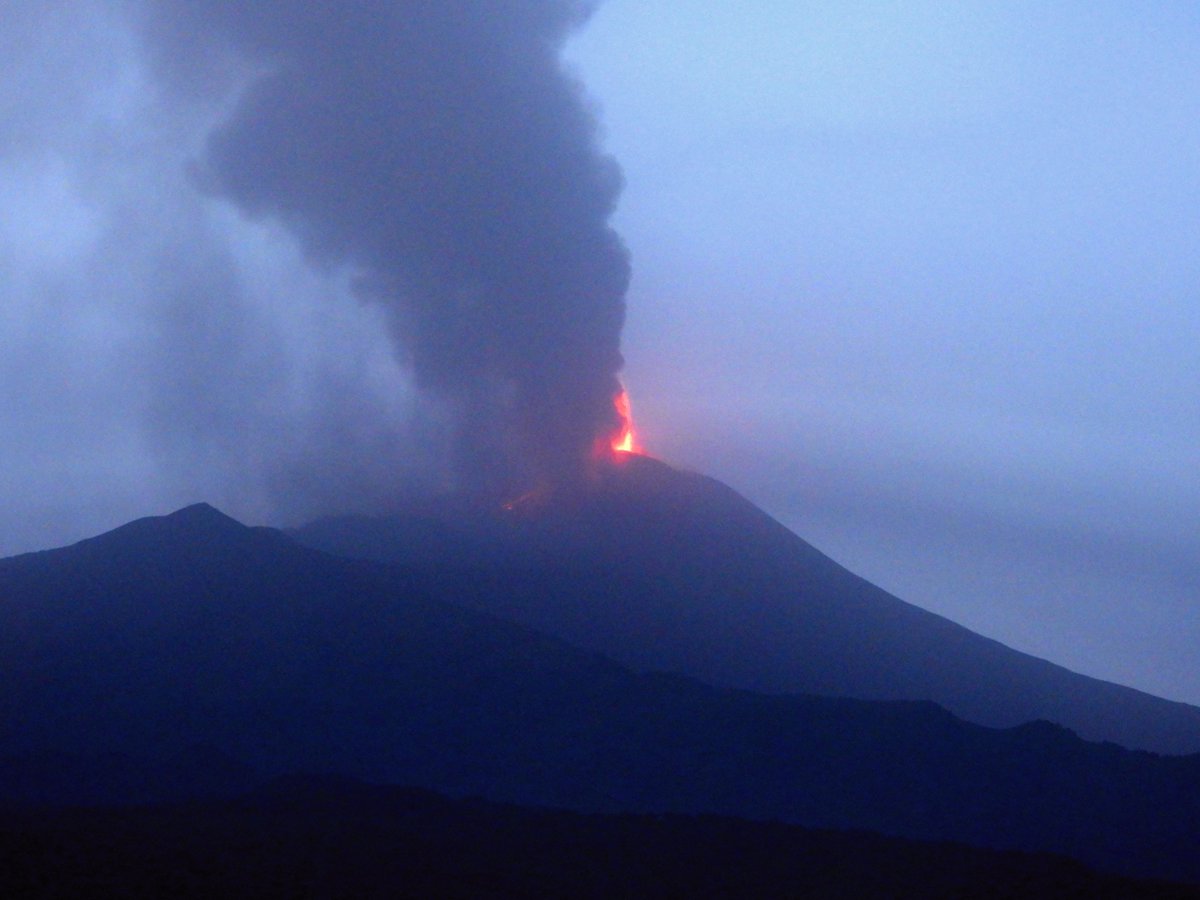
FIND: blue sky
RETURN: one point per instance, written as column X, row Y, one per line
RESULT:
column 919, row 279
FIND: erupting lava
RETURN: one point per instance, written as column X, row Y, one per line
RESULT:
column 625, row 441
column 622, row 441
column 620, row 445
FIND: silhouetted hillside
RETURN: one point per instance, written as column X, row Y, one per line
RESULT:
column 665, row 570
column 326, row 838
column 188, row 655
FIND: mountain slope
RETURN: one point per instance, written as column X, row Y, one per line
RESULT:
column 666, row 570
column 189, row 655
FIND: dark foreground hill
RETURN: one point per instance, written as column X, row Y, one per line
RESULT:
column 671, row 571
column 329, row 838
column 191, row 656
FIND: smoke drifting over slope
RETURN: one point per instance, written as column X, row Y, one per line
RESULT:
column 439, row 150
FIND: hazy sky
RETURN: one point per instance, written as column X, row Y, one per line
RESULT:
column 919, row 279
column 922, row 280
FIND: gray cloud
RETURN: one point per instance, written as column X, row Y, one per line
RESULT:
column 441, row 152
column 154, row 348
column 199, row 197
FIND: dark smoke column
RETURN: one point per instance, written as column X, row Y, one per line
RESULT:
column 439, row 148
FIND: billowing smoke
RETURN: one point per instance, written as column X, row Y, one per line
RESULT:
column 438, row 149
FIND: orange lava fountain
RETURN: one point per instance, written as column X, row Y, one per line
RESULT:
column 619, row 447
column 625, row 441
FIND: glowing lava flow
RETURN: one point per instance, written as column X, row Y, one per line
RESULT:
column 625, row 441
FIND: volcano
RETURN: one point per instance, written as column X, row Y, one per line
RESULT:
column 666, row 570
column 188, row 656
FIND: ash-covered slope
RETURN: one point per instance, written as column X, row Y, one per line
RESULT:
column 667, row 570
column 188, row 655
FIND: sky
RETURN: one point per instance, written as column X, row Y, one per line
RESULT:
column 918, row 279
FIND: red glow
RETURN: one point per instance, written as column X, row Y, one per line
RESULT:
column 621, row 444
column 625, row 440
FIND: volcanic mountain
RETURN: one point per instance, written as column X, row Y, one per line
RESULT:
column 665, row 570
column 189, row 656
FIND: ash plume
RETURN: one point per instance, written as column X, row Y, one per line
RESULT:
column 439, row 149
